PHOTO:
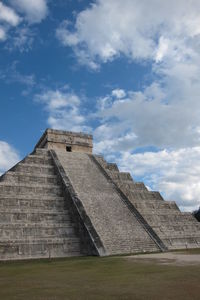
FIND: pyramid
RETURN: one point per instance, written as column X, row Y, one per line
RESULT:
column 62, row 200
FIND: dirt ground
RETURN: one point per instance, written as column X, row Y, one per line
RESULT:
column 172, row 258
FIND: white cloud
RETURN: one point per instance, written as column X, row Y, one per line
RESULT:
column 126, row 31
column 64, row 35
column 108, row 141
column 175, row 173
column 58, row 99
column 64, row 110
column 21, row 15
column 34, row 11
column 162, row 49
column 152, row 117
column 8, row 15
column 165, row 113
column 8, row 18
column 118, row 93
column 11, row 74
column 22, row 40
column 2, row 34
column 8, row 156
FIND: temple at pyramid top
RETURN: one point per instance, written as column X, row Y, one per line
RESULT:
column 66, row 140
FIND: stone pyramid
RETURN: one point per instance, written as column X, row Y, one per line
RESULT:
column 62, row 200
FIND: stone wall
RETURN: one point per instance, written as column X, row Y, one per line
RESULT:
column 58, row 139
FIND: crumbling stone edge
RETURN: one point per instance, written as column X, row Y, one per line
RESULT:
column 88, row 235
column 131, row 207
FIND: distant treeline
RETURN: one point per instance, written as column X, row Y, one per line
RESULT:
column 196, row 213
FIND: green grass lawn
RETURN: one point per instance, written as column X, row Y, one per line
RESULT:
column 188, row 251
column 97, row 278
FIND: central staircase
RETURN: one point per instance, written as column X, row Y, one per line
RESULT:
column 119, row 230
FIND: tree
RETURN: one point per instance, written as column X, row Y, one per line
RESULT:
column 196, row 214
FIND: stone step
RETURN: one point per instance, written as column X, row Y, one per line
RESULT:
column 43, row 224
column 43, row 240
column 143, row 195
column 153, row 206
column 176, row 226
column 33, row 217
column 34, row 210
column 172, row 205
column 36, row 232
column 180, row 234
column 21, row 177
column 31, row 197
column 34, row 189
column 39, row 248
column 181, row 243
column 130, row 185
column 121, row 176
column 158, row 212
column 41, row 152
column 137, row 247
column 167, row 219
column 38, row 159
column 20, row 203
column 47, row 225
column 171, row 219
column 111, row 167
column 184, row 238
column 101, row 160
column 35, row 169
column 176, row 231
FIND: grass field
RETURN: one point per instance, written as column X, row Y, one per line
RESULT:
column 97, row 278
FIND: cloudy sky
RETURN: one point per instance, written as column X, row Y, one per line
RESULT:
column 126, row 71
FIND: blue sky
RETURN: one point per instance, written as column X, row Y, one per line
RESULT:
column 126, row 71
